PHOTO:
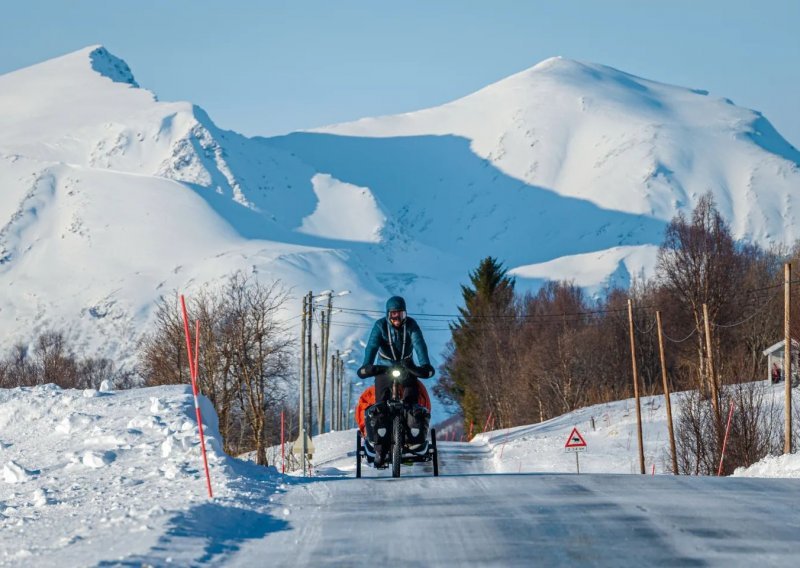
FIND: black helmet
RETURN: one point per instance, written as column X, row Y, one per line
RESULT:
column 396, row 304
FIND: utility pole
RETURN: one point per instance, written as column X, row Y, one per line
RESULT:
column 712, row 379
column 666, row 394
column 308, row 366
column 335, row 389
column 301, row 432
column 348, row 407
column 332, row 399
column 787, row 357
column 325, row 335
column 326, row 332
column 318, row 382
column 636, row 388
column 321, row 366
column 342, row 409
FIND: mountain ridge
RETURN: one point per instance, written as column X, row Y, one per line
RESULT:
column 566, row 170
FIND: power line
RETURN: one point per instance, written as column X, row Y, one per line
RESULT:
column 679, row 340
column 555, row 319
column 437, row 317
column 754, row 314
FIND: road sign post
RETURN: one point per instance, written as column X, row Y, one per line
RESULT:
column 575, row 443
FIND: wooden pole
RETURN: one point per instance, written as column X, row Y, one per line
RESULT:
column 333, row 391
column 787, row 356
column 666, row 394
column 301, row 430
column 324, row 356
column 283, row 436
column 319, row 382
column 335, row 411
column 341, row 392
column 309, row 330
column 349, row 402
column 636, row 388
column 712, row 380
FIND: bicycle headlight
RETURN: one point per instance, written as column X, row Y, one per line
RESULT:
column 395, row 373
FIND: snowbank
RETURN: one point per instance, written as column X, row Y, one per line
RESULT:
column 772, row 466
column 90, row 476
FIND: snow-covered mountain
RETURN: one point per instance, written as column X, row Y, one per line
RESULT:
column 111, row 198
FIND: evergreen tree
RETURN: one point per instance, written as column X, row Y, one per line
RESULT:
column 478, row 336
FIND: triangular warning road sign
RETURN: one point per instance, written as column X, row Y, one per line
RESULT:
column 575, row 440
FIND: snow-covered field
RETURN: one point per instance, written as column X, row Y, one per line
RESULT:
column 116, row 478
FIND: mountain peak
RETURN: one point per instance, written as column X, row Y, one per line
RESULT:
column 110, row 66
column 555, row 62
column 78, row 67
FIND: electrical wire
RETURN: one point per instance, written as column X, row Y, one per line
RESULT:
column 754, row 314
column 588, row 317
column 668, row 338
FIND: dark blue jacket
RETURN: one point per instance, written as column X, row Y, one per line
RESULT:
column 404, row 340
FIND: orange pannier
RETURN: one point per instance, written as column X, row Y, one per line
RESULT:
column 367, row 399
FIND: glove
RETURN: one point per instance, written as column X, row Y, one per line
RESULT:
column 426, row 371
column 366, row 371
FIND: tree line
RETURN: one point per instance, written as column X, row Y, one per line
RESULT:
column 521, row 358
column 525, row 358
column 51, row 359
column 246, row 359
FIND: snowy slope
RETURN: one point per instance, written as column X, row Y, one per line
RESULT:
column 609, row 430
column 619, row 141
column 111, row 198
column 560, row 146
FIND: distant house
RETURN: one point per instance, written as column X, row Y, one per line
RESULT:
column 775, row 355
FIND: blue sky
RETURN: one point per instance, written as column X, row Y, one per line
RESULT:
column 270, row 67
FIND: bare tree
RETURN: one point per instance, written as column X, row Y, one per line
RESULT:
column 698, row 263
column 245, row 357
column 52, row 361
column 260, row 349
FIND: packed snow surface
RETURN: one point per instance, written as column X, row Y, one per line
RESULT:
column 116, row 478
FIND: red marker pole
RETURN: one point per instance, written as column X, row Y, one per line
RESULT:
column 283, row 455
column 488, row 419
column 193, row 375
column 725, row 442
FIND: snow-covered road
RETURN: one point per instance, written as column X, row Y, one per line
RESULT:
column 482, row 519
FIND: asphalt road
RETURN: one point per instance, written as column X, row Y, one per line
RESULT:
column 468, row 518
